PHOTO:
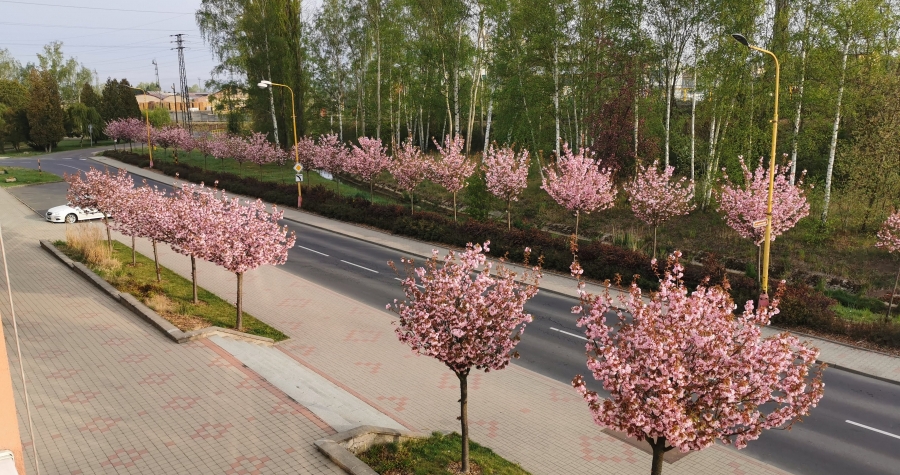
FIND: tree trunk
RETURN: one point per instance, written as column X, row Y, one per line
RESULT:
column 454, row 207
column 891, row 305
column 487, row 128
column 412, row 204
column 795, row 139
column 271, row 96
column 372, row 190
column 194, row 278
column 156, row 261
column 668, row 120
column 659, row 450
column 133, row 253
column 378, row 81
column 556, row 96
column 239, row 303
column 834, row 133
column 108, row 234
column 654, row 240
column 577, row 217
column 464, row 418
column 508, row 215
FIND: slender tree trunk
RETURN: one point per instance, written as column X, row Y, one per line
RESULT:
column 372, row 190
column 893, row 292
column 272, row 96
column 454, row 207
column 834, row 133
column 194, row 278
column 156, row 261
column 668, row 120
column 239, row 321
column 556, row 96
column 108, row 234
column 508, row 215
column 693, row 121
column 464, row 418
column 797, row 114
column 654, row 240
column 133, row 253
column 487, row 129
column 577, row 218
column 378, row 82
column 659, row 450
column 412, row 204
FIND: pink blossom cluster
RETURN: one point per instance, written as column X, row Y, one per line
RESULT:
column 409, row 166
column 743, row 204
column 680, row 367
column 657, row 197
column 173, row 137
column 889, row 234
column 505, row 172
column 130, row 129
column 462, row 321
column 258, row 150
column 305, row 151
column 578, row 184
column 368, row 159
column 453, row 168
column 331, row 155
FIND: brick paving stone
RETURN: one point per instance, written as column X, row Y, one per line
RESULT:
column 110, row 394
column 530, row 419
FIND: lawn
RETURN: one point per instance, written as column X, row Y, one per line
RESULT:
column 63, row 146
column 25, row 176
column 434, row 456
column 172, row 298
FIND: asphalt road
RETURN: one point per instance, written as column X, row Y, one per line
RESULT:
column 855, row 429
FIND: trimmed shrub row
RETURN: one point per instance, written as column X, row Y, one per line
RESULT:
column 802, row 307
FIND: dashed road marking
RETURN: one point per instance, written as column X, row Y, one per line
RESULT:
column 361, row 267
column 567, row 333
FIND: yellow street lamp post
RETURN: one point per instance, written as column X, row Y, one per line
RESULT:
column 297, row 167
column 764, row 295
column 147, row 116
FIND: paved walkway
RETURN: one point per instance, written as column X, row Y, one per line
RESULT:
column 854, row 359
column 112, row 395
column 530, row 419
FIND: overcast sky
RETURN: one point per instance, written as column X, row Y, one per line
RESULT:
column 105, row 36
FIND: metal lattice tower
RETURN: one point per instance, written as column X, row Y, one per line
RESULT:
column 182, row 79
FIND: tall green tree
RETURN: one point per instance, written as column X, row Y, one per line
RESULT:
column 88, row 96
column 44, row 110
column 10, row 68
column 117, row 101
column 13, row 101
column 68, row 72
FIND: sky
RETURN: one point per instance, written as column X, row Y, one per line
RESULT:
column 104, row 37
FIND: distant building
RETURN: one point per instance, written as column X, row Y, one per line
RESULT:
column 150, row 101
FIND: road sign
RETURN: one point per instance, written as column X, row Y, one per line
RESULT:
column 298, row 168
column 760, row 223
column 298, row 177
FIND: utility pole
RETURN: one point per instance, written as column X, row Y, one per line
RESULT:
column 158, row 85
column 185, row 97
column 175, row 98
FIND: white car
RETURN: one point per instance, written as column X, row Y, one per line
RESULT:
column 70, row 214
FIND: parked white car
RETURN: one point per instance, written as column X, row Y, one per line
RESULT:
column 70, row 214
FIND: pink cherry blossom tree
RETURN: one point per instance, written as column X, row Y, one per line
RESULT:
column 236, row 148
column 331, row 156
column 163, row 137
column 743, row 204
column 136, row 130
column 657, row 197
column 683, row 371
column 99, row 190
column 578, row 184
column 368, row 160
column 204, row 144
column 461, row 321
column 506, row 175
column 409, row 168
column 220, row 149
column 452, row 170
column 181, row 139
column 260, row 151
column 889, row 240
column 246, row 236
column 151, row 217
column 195, row 211
column 116, row 130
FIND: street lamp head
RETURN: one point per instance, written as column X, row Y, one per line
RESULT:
column 741, row 39
column 264, row 84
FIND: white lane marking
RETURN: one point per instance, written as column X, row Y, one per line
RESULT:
column 361, row 267
column 417, row 285
column 70, row 166
column 874, row 429
column 567, row 333
column 66, row 158
column 82, row 159
column 312, row 250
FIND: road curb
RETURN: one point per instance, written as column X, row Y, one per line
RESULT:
column 342, row 447
column 145, row 313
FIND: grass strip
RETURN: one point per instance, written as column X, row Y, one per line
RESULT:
column 436, row 455
column 171, row 298
column 25, row 176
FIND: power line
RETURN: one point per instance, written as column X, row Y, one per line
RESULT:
column 92, row 8
column 12, row 23
column 81, row 46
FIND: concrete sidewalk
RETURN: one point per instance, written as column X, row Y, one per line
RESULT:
column 110, row 394
column 855, row 359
